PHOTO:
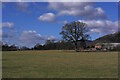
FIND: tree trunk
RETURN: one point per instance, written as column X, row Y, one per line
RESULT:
column 82, row 44
column 76, row 47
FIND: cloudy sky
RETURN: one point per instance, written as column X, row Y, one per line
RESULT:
column 26, row 24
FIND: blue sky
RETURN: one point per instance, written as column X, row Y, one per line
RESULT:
column 26, row 24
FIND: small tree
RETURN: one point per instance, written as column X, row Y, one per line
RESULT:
column 50, row 44
column 49, row 41
column 75, row 32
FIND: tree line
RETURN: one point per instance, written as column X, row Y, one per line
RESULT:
column 49, row 45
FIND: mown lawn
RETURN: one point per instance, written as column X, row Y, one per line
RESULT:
column 59, row 64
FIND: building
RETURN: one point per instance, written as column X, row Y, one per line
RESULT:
column 106, row 46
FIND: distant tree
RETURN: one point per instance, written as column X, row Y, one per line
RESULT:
column 38, row 47
column 5, row 47
column 75, row 32
column 24, row 48
column 13, row 47
column 117, row 48
column 50, row 44
column 66, row 45
column 49, row 41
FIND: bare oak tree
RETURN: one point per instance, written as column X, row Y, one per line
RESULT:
column 75, row 32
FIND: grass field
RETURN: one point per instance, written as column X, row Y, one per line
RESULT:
column 59, row 64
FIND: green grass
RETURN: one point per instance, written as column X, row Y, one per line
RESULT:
column 59, row 64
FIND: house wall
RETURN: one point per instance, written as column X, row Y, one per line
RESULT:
column 98, row 47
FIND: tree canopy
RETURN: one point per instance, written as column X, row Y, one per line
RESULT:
column 75, row 32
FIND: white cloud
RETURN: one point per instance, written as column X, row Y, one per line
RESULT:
column 6, row 35
column 62, row 22
column 49, row 17
column 8, row 24
column 30, row 35
column 22, row 6
column 65, row 22
column 82, row 9
column 101, row 26
column 50, row 38
column 30, row 38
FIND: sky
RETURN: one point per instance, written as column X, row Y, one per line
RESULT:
column 29, row 23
